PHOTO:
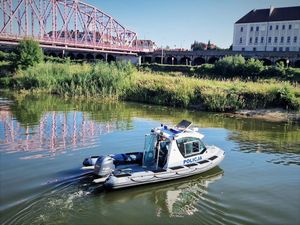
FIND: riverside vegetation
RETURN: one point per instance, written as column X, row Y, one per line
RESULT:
column 124, row 81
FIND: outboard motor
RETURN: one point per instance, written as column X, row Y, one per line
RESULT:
column 91, row 161
column 104, row 166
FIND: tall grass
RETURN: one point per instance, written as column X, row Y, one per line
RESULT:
column 214, row 95
column 99, row 80
column 123, row 81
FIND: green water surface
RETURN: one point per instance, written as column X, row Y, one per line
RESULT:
column 44, row 139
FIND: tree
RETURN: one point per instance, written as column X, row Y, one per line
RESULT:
column 198, row 46
column 209, row 45
column 28, row 53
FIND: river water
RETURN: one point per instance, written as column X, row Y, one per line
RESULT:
column 43, row 141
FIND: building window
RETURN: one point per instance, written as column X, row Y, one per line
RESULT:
column 241, row 40
column 288, row 40
column 274, row 49
column 295, row 39
column 275, row 39
column 257, row 28
column 287, row 49
column 254, row 49
column 271, row 27
column 283, row 27
column 250, row 40
column 242, row 29
column 243, row 49
column 269, row 39
column 290, row 26
column 281, row 39
column 251, row 29
column 280, row 49
column 262, row 40
column 256, row 40
column 277, row 27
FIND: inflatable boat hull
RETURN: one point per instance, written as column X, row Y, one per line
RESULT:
column 124, row 180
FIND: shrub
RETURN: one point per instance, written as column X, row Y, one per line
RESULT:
column 205, row 69
column 4, row 56
column 230, row 66
column 287, row 98
column 253, row 67
column 293, row 74
column 28, row 53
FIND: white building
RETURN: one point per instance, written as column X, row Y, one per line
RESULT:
column 274, row 29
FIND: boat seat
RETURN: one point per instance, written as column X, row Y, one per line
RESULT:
column 128, row 158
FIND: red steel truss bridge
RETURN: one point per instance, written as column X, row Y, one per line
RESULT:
column 65, row 25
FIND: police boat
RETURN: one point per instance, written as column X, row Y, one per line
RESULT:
column 169, row 153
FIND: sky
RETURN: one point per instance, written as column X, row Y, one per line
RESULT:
column 178, row 23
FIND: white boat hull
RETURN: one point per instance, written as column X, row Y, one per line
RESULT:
column 148, row 177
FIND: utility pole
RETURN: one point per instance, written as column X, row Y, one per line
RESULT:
column 162, row 55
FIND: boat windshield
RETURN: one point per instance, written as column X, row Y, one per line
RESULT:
column 149, row 150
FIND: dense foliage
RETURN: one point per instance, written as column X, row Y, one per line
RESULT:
column 28, row 53
column 233, row 67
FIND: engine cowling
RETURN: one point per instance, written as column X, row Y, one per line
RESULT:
column 104, row 166
column 91, row 161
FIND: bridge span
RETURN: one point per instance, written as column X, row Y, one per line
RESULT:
column 67, row 27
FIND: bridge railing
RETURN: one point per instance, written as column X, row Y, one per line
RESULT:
column 13, row 39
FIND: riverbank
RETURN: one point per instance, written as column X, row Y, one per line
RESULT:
column 122, row 81
column 273, row 115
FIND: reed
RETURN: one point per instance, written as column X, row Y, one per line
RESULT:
column 98, row 80
column 122, row 81
column 214, row 95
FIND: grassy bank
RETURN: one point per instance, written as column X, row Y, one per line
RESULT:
column 231, row 67
column 73, row 79
column 123, row 81
column 214, row 95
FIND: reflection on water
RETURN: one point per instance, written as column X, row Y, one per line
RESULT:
column 181, row 198
column 32, row 114
column 284, row 146
column 48, row 187
column 55, row 132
